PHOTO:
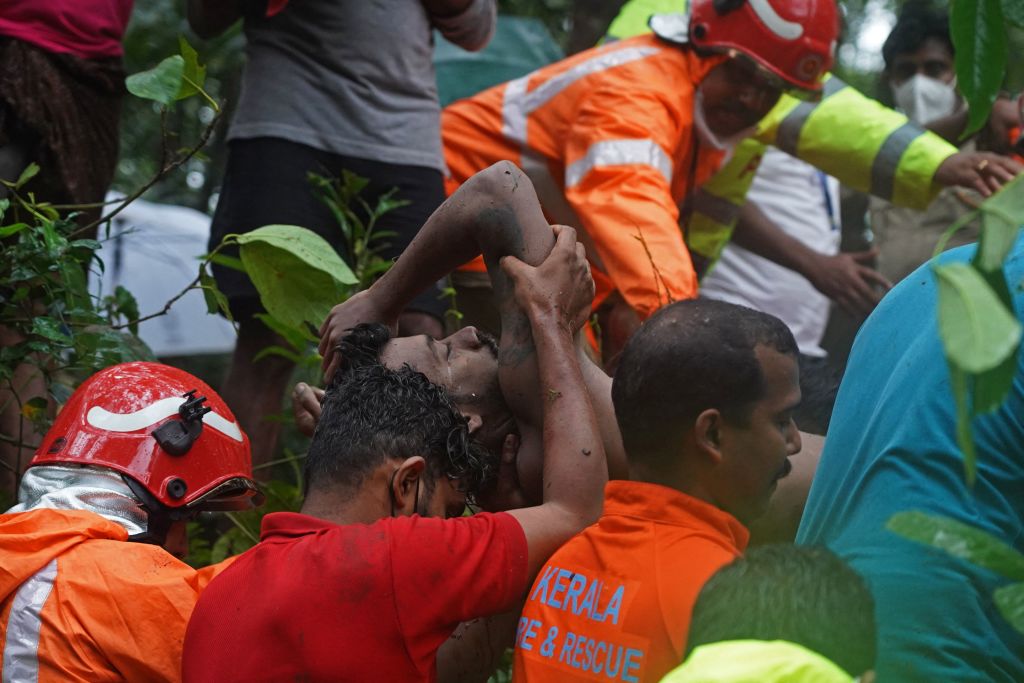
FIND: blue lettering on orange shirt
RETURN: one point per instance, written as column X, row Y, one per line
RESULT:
column 561, row 589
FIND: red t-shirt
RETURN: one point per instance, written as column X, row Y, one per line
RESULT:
column 88, row 29
column 316, row 601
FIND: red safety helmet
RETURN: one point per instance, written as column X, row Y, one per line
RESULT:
column 793, row 39
column 172, row 438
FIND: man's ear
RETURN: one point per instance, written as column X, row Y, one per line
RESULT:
column 405, row 482
column 707, row 434
column 474, row 421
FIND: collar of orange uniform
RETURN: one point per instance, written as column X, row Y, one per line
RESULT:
column 667, row 506
column 697, row 65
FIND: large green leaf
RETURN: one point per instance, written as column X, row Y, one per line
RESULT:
column 977, row 330
column 979, row 36
column 162, row 83
column 1010, row 601
column 959, row 540
column 992, row 386
column 193, row 75
column 1002, row 217
column 297, row 273
column 1013, row 10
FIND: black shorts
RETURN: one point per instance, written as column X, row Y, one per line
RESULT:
column 266, row 183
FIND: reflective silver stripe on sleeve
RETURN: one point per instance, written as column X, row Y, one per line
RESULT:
column 21, row 649
column 513, row 114
column 716, row 208
column 788, row 136
column 518, row 104
column 619, row 153
column 887, row 161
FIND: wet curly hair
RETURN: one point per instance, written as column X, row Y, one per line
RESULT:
column 371, row 413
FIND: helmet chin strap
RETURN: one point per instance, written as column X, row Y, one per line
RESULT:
column 159, row 516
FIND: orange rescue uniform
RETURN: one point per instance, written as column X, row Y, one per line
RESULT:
column 80, row 603
column 607, row 138
column 614, row 603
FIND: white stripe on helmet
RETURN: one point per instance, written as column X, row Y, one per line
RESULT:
column 155, row 412
column 787, row 30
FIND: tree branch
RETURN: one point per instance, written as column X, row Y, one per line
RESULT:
column 207, row 132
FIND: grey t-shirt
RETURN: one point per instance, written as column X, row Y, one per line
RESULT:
column 352, row 77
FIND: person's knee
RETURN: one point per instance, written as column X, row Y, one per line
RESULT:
column 498, row 180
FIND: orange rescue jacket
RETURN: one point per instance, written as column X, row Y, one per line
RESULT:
column 607, row 138
column 79, row 603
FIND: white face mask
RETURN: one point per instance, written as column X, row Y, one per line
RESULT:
column 707, row 136
column 925, row 99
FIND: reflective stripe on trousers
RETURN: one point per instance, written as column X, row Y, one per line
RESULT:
column 21, row 649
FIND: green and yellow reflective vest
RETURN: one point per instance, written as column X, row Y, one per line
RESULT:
column 756, row 661
column 864, row 144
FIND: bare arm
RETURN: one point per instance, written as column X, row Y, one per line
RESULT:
column 473, row 651
column 556, row 297
column 845, row 278
column 496, row 213
column 467, row 23
column 210, row 18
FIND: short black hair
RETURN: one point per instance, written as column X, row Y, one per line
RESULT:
column 688, row 357
column 371, row 413
column 802, row 594
column 918, row 21
column 819, row 386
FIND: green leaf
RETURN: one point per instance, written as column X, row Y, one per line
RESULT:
column 162, row 83
column 48, row 328
column 964, row 433
column 14, row 228
column 194, row 75
column 959, row 540
column 991, row 387
column 976, row 329
column 232, row 262
column 352, row 183
column 1002, row 216
column 297, row 337
column 277, row 351
column 297, row 273
column 28, row 174
column 979, row 37
column 34, row 408
column 1010, row 601
column 127, row 307
column 216, row 302
column 1013, row 10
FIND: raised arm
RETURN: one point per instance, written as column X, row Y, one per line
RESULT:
column 556, row 298
column 496, row 213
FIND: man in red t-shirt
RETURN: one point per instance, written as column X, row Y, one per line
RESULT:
column 703, row 395
column 370, row 579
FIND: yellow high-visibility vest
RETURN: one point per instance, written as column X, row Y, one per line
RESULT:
column 756, row 661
